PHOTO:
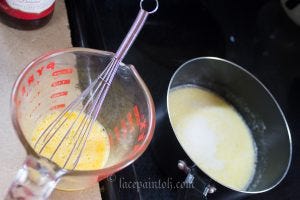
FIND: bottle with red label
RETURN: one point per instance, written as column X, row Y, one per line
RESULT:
column 26, row 14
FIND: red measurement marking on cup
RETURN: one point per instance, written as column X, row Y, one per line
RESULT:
column 143, row 126
column 124, row 128
column 62, row 72
column 117, row 132
column 18, row 102
column 136, row 113
column 130, row 122
column 57, row 106
column 59, row 94
column 23, row 90
column 136, row 148
column 141, row 137
column 51, row 65
column 134, row 120
column 32, row 77
column 60, row 82
column 143, row 123
column 40, row 71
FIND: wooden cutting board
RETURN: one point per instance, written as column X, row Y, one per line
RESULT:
column 17, row 49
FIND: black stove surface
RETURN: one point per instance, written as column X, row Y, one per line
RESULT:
column 257, row 35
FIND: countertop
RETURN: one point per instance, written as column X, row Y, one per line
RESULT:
column 17, row 49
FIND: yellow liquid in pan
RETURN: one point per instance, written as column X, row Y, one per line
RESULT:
column 214, row 135
column 95, row 153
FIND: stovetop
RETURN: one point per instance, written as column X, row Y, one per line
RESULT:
column 257, row 35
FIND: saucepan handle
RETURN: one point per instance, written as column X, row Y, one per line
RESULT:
column 36, row 179
column 196, row 187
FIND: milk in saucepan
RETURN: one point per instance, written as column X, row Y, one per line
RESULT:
column 214, row 135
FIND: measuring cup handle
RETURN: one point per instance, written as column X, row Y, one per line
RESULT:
column 35, row 180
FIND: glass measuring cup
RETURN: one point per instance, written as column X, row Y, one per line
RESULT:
column 48, row 84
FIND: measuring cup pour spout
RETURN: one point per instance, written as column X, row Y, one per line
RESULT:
column 35, row 180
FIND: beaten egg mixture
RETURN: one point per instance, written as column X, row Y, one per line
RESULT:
column 95, row 153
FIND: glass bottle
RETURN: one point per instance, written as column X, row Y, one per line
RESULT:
column 26, row 14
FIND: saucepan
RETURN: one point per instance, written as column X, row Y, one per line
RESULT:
column 259, row 110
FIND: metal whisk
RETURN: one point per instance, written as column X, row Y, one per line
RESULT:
column 93, row 96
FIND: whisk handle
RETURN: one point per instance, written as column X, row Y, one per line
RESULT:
column 35, row 180
column 134, row 31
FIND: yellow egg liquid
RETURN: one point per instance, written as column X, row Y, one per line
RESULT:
column 214, row 135
column 95, row 152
